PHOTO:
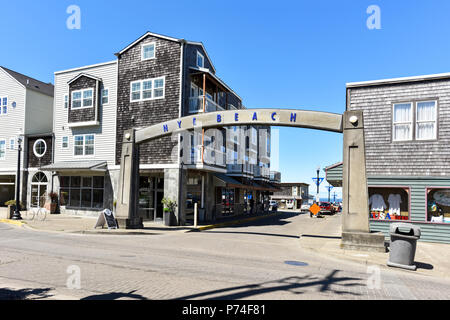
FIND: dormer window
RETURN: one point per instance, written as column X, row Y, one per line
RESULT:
column 148, row 51
column 82, row 99
column 200, row 60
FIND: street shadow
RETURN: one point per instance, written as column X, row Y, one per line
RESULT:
column 422, row 265
column 116, row 296
column 255, row 233
column 296, row 285
column 278, row 220
column 24, row 294
column 319, row 236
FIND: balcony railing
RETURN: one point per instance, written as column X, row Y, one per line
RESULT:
column 196, row 105
column 275, row 176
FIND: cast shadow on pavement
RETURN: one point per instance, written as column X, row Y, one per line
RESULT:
column 422, row 265
column 256, row 233
column 115, row 296
column 295, row 285
column 24, row 294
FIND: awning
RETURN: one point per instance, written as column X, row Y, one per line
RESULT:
column 76, row 166
column 229, row 182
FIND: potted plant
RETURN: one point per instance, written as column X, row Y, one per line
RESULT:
column 53, row 202
column 169, row 211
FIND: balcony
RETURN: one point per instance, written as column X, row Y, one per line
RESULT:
column 275, row 177
column 262, row 173
column 196, row 105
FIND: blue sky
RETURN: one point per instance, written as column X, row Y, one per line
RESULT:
column 287, row 54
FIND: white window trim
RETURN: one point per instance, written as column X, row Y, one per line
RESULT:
column 34, row 148
column 144, row 45
column 434, row 121
column 411, row 123
column 203, row 59
column 84, row 146
column 153, row 89
column 101, row 96
column 4, row 157
column 62, row 143
column 82, row 95
column 66, row 96
column 1, row 105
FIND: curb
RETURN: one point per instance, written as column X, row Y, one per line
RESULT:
column 14, row 222
column 234, row 222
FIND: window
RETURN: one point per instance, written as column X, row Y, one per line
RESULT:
column 421, row 126
column 389, row 203
column 3, row 105
column 148, row 51
column 426, row 120
column 65, row 142
column 39, row 148
column 200, row 60
column 12, row 143
column 438, row 205
column 82, row 192
column 402, row 122
column 2, row 149
column 105, row 96
column 82, row 98
column 84, row 145
column 148, row 89
column 66, row 101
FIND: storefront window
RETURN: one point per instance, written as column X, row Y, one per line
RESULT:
column 389, row 203
column 82, row 192
column 438, row 205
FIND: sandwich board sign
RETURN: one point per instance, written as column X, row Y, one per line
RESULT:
column 106, row 217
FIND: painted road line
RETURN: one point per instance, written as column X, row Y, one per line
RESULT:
column 14, row 222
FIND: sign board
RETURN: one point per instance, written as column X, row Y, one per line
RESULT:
column 315, row 209
column 106, row 217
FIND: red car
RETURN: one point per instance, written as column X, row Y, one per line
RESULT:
column 326, row 207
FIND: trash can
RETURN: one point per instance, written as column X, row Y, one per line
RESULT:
column 404, row 238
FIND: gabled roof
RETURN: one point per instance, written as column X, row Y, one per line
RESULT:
column 31, row 83
column 195, row 43
column 84, row 75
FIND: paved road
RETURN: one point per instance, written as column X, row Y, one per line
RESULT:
column 240, row 262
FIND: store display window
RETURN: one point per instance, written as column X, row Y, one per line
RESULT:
column 438, row 205
column 389, row 203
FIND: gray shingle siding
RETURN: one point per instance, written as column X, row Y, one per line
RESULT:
column 412, row 158
column 145, row 113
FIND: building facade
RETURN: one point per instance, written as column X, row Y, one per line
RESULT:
column 25, row 112
column 291, row 195
column 406, row 123
column 154, row 79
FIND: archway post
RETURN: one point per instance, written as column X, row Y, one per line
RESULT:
column 355, row 215
column 127, row 200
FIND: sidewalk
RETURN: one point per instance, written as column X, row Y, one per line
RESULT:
column 85, row 225
column 323, row 237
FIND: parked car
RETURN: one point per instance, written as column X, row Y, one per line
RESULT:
column 273, row 205
column 305, row 207
column 326, row 208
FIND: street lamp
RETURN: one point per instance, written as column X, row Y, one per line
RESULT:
column 318, row 183
column 16, row 215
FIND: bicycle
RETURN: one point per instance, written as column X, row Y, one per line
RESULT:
column 40, row 214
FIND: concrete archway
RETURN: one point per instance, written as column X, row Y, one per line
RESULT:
column 355, row 218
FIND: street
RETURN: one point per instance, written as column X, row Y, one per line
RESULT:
column 257, row 260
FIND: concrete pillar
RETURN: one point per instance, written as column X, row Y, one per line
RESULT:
column 127, row 196
column 355, row 213
column 175, row 189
